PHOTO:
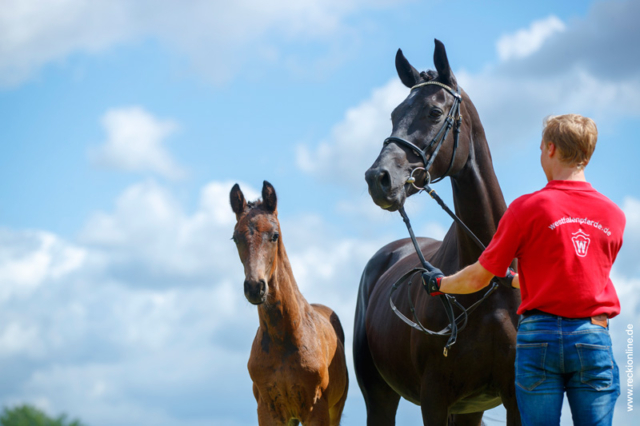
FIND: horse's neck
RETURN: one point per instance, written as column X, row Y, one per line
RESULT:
column 281, row 315
column 477, row 198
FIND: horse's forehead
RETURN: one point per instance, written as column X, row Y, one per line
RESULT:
column 418, row 98
column 257, row 222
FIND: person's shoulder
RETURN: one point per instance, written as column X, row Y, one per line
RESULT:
column 612, row 207
column 527, row 201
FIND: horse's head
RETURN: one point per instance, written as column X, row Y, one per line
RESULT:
column 256, row 235
column 419, row 121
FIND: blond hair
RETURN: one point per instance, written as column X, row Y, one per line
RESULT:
column 573, row 135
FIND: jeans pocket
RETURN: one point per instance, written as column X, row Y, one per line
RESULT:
column 530, row 358
column 596, row 365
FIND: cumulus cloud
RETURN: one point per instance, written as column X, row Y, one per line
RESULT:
column 354, row 142
column 150, row 236
column 29, row 259
column 627, row 261
column 143, row 319
column 526, row 41
column 218, row 37
column 135, row 143
column 550, row 67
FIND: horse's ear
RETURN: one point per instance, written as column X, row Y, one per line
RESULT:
column 442, row 65
column 407, row 73
column 238, row 203
column 269, row 198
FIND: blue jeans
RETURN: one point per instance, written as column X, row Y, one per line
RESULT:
column 556, row 355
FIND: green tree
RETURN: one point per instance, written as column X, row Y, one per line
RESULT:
column 28, row 415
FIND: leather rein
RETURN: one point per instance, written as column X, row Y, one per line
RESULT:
column 456, row 324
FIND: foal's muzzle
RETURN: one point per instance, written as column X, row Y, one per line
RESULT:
column 255, row 291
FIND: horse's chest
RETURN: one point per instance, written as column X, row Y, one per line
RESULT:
column 288, row 384
column 289, row 400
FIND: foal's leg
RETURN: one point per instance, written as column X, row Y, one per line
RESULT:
column 319, row 416
column 335, row 412
column 265, row 417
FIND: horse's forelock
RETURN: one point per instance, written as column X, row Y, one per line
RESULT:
column 429, row 75
column 254, row 204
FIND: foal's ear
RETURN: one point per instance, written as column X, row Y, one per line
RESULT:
column 238, row 203
column 269, row 198
column 442, row 65
column 407, row 73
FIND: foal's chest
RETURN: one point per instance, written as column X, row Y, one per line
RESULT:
column 288, row 384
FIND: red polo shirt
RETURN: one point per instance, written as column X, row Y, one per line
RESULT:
column 566, row 238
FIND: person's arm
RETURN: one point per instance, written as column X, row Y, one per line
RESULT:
column 516, row 281
column 471, row 279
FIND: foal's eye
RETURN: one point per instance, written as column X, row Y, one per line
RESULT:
column 275, row 237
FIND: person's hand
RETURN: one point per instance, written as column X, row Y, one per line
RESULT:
column 431, row 281
column 506, row 281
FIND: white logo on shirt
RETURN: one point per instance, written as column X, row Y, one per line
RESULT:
column 581, row 242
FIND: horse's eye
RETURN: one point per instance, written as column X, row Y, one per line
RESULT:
column 435, row 113
column 275, row 237
column 233, row 238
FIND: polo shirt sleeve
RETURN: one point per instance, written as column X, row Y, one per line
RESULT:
column 504, row 246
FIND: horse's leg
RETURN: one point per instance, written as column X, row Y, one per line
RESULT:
column 382, row 401
column 513, row 413
column 335, row 412
column 469, row 419
column 265, row 417
column 508, row 396
column 319, row 416
column 434, row 402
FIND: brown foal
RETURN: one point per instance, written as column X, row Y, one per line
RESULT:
column 297, row 360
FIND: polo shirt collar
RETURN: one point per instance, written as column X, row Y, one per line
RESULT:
column 569, row 185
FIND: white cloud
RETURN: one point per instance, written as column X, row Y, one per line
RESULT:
column 28, row 259
column 356, row 140
column 135, row 143
column 512, row 107
column 513, row 96
column 631, row 208
column 149, row 234
column 627, row 261
column 124, row 336
column 219, row 37
column 524, row 42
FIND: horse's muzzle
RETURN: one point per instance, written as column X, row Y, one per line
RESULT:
column 382, row 190
column 255, row 291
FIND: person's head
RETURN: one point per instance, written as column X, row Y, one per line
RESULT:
column 570, row 138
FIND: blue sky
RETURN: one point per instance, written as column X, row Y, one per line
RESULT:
column 123, row 126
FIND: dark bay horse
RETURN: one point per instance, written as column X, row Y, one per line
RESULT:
column 297, row 361
column 393, row 360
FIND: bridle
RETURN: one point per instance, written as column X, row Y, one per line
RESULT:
column 453, row 117
column 453, row 120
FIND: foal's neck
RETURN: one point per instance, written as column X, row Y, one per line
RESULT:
column 281, row 315
column 477, row 196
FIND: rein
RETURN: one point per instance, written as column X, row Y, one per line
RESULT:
column 458, row 323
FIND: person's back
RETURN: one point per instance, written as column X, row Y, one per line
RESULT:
column 571, row 235
column 566, row 238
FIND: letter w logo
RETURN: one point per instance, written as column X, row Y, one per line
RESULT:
column 581, row 242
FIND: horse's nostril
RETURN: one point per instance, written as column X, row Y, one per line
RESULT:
column 263, row 287
column 385, row 180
